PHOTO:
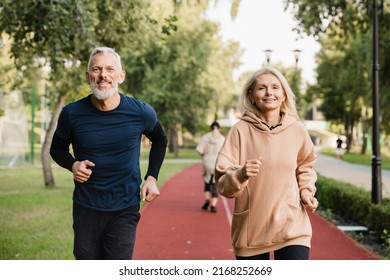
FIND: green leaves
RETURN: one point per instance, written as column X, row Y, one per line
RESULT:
column 344, row 29
column 169, row 25
column 172, row 55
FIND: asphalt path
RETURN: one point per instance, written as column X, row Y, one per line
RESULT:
column 355, row 174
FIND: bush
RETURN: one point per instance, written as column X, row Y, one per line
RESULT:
column 354, row 204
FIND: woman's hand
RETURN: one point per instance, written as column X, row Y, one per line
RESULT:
column 310, row 202
column 251, row 168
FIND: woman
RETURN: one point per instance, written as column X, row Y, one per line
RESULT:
column 208, row 148
column 267, row 165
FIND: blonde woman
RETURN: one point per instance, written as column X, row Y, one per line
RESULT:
column 267, row 165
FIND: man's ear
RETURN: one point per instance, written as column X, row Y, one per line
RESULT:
column 87, row 78
column 122, row 76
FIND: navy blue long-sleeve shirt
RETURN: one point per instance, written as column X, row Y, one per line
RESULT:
column 111, row 140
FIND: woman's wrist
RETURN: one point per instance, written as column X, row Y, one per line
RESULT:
column 243, row 175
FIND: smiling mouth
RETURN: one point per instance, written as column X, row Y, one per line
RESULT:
column 103, row 83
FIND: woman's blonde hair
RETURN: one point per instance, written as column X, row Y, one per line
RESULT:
column 288, row 105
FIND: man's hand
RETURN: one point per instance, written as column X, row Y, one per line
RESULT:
column 149, row 189
column 81, row 170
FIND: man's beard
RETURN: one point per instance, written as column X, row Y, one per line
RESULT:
column 103, row 95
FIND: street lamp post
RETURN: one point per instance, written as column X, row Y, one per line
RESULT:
column 268, row 55
column 297, row 53
column 376, row 186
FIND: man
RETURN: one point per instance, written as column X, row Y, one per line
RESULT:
column 105, row 130
column 208, row 149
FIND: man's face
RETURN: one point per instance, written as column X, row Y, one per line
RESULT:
column 104, row 75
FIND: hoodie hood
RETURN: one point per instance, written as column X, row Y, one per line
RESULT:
column 258, row 124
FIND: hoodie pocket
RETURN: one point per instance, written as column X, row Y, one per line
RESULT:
column 241, row 203
column 240, row 229
column 240, row 219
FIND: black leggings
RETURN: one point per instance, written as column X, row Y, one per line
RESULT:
column 293, row 252
column 211, row 187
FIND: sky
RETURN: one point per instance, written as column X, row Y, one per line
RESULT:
column 261, row 25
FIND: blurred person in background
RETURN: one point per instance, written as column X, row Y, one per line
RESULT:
column 339, row 148
column 208, row 149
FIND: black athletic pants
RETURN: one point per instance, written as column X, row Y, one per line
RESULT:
column 102, row 235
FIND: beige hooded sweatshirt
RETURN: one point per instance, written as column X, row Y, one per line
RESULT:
column 268, row 212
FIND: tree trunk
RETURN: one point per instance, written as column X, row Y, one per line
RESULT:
column 364, row 144
column 46, row 166
column 348, row 132
column 170, row 140
column 173, row 145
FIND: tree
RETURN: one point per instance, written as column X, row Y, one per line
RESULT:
column 336, row 17
column 60, row 34
column 186, row 75
column 7, row 68
column 344, row 63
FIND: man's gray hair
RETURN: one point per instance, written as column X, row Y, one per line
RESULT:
column 105, row 50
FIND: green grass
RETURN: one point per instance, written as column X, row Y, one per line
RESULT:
column 183, row 154
column 35, row 222
column 356, row 157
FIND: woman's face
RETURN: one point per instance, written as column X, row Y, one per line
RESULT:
column 268, row 93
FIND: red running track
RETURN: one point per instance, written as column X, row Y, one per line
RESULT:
column 174, row 227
